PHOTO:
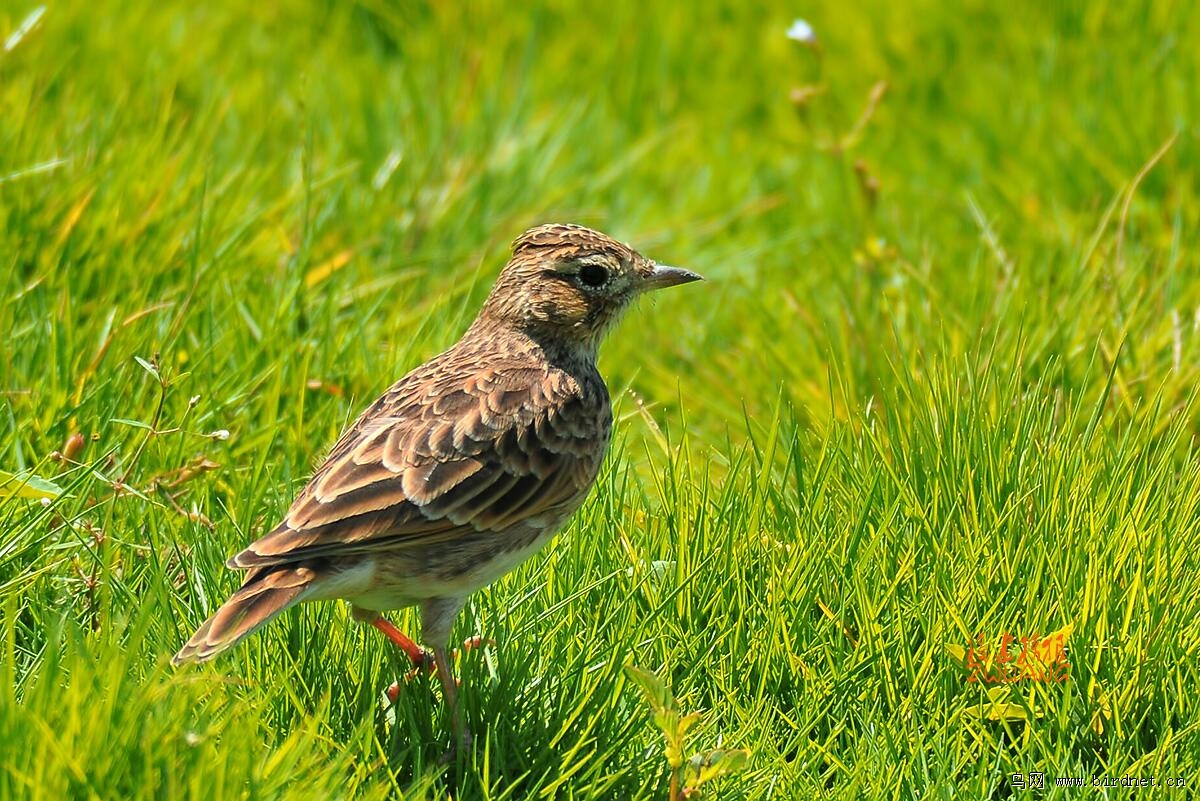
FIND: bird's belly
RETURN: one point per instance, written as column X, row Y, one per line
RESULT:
column 404, row 577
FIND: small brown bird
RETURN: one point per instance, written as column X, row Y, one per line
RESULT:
column 465, row 467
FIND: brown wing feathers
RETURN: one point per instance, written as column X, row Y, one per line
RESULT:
column 481, row 449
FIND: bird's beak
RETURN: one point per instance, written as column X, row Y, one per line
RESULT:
column 663, row 276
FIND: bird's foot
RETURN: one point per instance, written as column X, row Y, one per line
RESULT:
column 470, row 644
column 475, row 643
column 427, row 664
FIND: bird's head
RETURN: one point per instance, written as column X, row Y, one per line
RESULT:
column 572, row 283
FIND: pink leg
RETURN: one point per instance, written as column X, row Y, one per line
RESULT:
column 423, row 660
column 418, row 655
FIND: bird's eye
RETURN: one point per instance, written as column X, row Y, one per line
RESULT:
column 593, row 275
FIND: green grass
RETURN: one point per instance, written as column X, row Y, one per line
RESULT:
column 961, row 403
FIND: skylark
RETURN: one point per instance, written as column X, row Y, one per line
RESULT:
column 465, row 467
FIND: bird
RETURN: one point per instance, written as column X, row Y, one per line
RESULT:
column 462, row 469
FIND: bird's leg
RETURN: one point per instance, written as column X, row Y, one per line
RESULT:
column 462, row 737
column 420, row 658
column 437, row 620
column 418, row 655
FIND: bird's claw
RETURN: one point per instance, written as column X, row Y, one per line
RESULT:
column 427, row 665
column 476, row 642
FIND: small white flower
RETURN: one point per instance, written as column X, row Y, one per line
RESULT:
column 220, row 433
column 802, row 32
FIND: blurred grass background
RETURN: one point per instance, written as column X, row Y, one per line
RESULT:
column 939, row 384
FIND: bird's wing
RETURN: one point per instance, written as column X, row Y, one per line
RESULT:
column 442, row 451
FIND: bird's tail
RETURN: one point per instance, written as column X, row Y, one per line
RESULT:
column 266, row 593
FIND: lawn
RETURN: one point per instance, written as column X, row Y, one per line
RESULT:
column 903, row 500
